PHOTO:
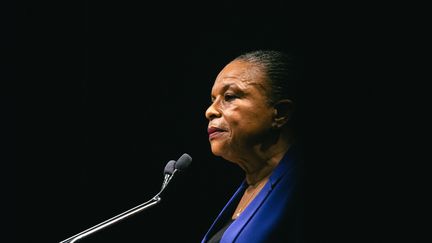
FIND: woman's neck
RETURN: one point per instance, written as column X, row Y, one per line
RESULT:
column 261, row 167
column 259, row 162
column 259, row 171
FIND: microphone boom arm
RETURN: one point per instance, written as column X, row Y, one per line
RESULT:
column 155, row 200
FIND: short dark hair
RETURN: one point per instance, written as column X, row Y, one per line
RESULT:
column 283, row 71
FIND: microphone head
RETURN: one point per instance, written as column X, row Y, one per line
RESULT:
column 169, row 167
column 183, row 162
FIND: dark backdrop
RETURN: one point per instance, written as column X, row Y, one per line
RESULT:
column 108, row 93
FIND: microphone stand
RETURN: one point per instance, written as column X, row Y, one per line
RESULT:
column 156, row 199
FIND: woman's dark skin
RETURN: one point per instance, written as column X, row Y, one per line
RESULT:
column 245, row 127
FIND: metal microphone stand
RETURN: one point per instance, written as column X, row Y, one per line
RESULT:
column 156, row 199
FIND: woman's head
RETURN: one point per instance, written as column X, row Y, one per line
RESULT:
column 252, row 102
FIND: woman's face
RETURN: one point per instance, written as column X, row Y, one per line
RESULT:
column 240, row 118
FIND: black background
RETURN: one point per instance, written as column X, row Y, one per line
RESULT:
column 103, row 95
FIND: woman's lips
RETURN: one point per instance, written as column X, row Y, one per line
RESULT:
column 214, row 132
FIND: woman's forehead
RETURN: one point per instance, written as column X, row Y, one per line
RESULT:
column 240, row 72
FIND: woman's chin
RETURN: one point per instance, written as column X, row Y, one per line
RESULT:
column 217, row 150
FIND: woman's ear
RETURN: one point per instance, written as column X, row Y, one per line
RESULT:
column 283, row 110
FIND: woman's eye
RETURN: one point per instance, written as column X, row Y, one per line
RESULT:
column 229, row 97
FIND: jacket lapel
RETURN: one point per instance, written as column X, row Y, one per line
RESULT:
column 236, row 227
column 226, row 212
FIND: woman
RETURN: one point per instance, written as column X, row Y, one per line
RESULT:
column 251, row 125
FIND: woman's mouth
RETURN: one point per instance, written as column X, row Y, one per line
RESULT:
column 214, row 132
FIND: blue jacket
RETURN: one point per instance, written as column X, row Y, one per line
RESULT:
column 276, row 213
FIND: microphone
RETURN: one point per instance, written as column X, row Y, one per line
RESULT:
column 168, row 172
column 172, row 166
column 170, row 169
column 183, row 162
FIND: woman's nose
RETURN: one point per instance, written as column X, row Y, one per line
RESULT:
column 212, row 112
